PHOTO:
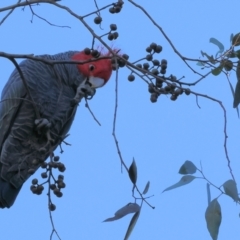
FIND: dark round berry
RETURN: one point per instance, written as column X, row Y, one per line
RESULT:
column 56, row 191
column 148, row 49
column 113, row 27
column 44, row 175
column 125, row 56
column 158, row 49
column 187, row 91
column 131, row 78
column 173, row 86
column 61, row 185
column 156, row 62
column 34, row 181
column 44, row 165
column 173, row 97
column 146, row 66
column 163, row 71
column 52, row 207
column 56, row 158
column 167, row 88
column 121, row 63
column 40, row 188
column 112, row 10
column 59, row 194
column 52, row 186
column 174, row 78
column 159, row 83
column 228, row 65
column 164, row 66
column 115, row 35
column 154, row 97
column 164, row 61
column 117, row 9
column 110, row 37
column 33, row 188
column 153, row 46
column 95, row 53
column 98, row 20
column 178, row 91
column 60, row 176
column 139, row 65
column 87, row 51
column 155, row 71
column 149, row 57
column 151, row 88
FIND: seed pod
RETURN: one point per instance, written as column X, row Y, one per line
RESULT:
column 173, row 97
column 44, row 175
column 44, row 165
column 187, row 91
column 56, row 158
column 52, row 186
column 115, row 35
column 60, row 176
column 125, row 56
column 153, row 46
column 117, row 9
column 154, row 97
column 131, row 78
column 155, row 71
column 151, row 88
column 61, row 185
column 148, row 49
column 158, row 49
column 163, row 71
column 156, row 62
column 113, row 27
column 149, row 57
column 164, row 66
column 110, row 37
column 97, row 20
column 164, row 61
column 95, row 53
column 146, row 66
column 34, row 181
column 87, row 51
column 51, row 207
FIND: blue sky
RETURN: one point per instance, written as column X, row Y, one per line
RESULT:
column 159, row 136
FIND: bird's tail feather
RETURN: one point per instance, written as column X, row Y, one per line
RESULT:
column 8, row 193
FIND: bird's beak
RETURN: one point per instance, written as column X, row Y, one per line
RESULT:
column 96, row 82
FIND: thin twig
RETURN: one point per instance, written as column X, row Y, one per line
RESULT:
column 89, row 109
column 9, row 13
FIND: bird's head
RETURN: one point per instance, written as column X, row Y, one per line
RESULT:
column 98, row 71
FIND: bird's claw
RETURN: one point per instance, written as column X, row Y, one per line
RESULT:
column 42, row 124
column 84, row 90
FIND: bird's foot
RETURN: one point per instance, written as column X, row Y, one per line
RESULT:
column 42, row 125
column 84, row 90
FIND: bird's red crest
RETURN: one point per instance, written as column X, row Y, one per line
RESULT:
column 101, row 68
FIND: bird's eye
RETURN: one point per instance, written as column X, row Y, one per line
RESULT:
column 91, row 67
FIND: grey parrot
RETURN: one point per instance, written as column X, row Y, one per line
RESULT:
column 27, row 138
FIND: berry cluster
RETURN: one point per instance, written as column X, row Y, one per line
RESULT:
column 117, row 7
column 170, row 88
column 58, row 184
column 155, row 70
column 95, row 53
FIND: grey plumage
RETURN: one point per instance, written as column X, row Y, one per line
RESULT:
column 20, row 143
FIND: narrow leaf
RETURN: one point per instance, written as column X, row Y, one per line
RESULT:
column 132, row 225
column 216, row 71
column 231, row 37
column 122, row 212
column 208, row 193
column 200, row 64
column 237, row 89
column 237, row 54
column 236, row 95
column 187, row 168
column 132, row 172
column 146, row 188
column 219, row 44
column 213, row 218
column 232, row 90
column 236, row 40
column 183, row 181
column 230, row 188
column 210, row 58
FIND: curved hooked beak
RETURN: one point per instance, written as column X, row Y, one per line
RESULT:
column 96, row 82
